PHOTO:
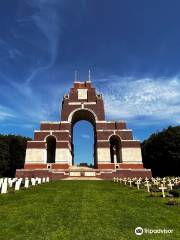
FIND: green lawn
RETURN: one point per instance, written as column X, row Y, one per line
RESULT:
column 85, row 210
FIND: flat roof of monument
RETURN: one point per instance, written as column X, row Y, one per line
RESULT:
column 82, row 81
column 49, row 122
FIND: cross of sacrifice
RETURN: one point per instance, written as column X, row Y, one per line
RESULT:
column 162, row 188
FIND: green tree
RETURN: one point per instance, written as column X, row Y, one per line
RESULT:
column 12, row 154
column 161, row 152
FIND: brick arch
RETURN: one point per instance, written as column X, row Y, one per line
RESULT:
column 116, row 135
column 49, row 135
column 89, row 116
column 82, row 114
column 115, row 148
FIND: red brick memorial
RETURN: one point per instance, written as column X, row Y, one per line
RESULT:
column 51, row 153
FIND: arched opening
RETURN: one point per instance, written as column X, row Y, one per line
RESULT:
column 51, row 149
column 83, row 142
column 83, row 136
column 115, row 149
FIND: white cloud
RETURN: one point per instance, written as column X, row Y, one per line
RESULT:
column 132, row 98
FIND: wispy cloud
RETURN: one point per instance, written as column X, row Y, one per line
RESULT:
column 6, row 114
column 48, row 21
column 132, row 98
column 85, row 136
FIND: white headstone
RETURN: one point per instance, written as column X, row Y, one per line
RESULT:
column 47, row 179
column 39, row 180
column 17, row 185
column 33, row 181
column 4, row 187
column 1, row 182
column 26, row 185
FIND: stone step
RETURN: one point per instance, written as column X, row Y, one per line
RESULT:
column 81, row 178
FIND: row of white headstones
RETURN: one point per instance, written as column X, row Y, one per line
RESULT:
column 7, row 183
column 162, row 184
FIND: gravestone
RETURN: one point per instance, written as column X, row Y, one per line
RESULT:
column 147, row 185
column 17, row 185
column 4, row 187
column 26, row 185
column 162, row 188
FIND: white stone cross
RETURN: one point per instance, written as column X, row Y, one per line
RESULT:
column 164, row 182
column 146, row 179
column 138, row 183
column 120, row 180
column 176, row 180
column 130, row 182
column 4, row 187
column 170, row 185
column 162, row 188
column 147, row 185
column 125, row 181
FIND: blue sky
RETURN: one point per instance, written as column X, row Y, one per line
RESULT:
column 131, row 47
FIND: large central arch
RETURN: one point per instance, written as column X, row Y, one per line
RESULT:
column 87, row 115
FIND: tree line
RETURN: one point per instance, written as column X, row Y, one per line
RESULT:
column 161, row 152
column 12, row 154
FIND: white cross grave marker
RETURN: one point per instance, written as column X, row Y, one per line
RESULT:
column 170, row 185
column 147, row 185
column 125, row 181
column 138, row 184
column 130, row 182
column 162, row 188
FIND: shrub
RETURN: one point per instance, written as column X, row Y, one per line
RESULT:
column 175, row 192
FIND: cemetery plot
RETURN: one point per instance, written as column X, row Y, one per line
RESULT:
column 168, row 187
column 15, row 184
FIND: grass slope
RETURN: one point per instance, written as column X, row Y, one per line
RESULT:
column 84, row 210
